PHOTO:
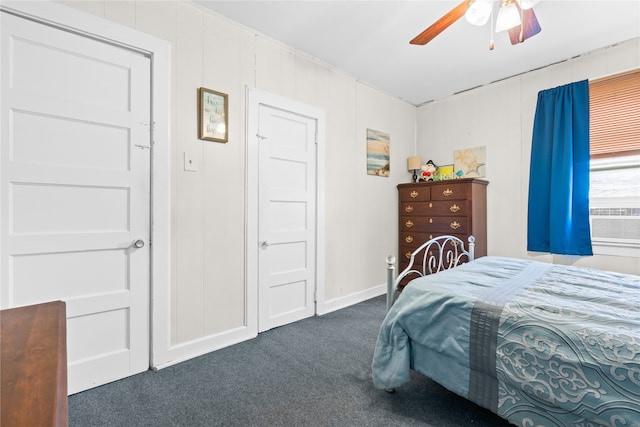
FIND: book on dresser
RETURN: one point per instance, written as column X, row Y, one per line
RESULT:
column 430, row 209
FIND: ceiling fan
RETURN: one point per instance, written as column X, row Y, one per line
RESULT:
column 516, row 16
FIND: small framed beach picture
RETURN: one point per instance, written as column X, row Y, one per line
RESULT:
column 444, row 172
column 213, row 116
column 378, row 151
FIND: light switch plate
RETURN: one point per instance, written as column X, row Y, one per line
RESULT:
column 190, row 163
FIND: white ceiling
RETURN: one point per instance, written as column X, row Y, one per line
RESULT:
column 370, row 39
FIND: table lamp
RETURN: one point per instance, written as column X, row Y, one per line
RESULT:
column 413, row 164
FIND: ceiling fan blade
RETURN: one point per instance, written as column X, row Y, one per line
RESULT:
column 529, row 28
column 441, row 24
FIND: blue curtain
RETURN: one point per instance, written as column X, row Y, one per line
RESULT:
column 558, row 220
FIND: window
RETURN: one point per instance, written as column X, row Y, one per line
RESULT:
column 614, row 204
column 614, row 197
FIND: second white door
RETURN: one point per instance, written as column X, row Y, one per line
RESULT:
column 287, row 217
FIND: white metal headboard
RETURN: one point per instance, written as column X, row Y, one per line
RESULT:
column 437, row 254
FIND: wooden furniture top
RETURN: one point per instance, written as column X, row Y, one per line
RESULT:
column 445, row 182
column 33, row 365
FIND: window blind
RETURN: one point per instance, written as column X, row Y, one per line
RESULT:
column 615, row 115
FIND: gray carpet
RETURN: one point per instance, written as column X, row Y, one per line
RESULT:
column 316, row 372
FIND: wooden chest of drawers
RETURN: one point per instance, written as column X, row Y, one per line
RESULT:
column 430, row 209
column 33, row 365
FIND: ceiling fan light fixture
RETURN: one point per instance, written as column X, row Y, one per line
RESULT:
column 479, row 12
column 508, row 16
column 528, row 4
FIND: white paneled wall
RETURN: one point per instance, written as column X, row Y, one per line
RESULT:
column 208, row 213
column 500, row 117
column 208, row 206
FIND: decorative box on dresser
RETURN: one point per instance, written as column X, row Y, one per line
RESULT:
column 429, row 209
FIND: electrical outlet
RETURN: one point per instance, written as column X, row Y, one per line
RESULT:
column 190, row 163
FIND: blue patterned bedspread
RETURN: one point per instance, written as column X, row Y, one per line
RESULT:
column 539, row 344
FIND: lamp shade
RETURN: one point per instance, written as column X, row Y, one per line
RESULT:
column 508, row 16
column 414, row 162
column 528, row 4
column 479, row 12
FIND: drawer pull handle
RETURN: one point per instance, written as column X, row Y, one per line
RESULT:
column 408, row 209
column 430, row 204
column 430, row 236
column 408, row 255
column 455, row 225
column 409, row 223
column 454, row 208
column 430, row 220
column 448, row 192
column 414, row 194
column 408, row 239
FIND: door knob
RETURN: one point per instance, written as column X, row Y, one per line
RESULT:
column 265, row 244
column 139, row 243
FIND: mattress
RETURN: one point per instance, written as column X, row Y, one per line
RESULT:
column 539, row 344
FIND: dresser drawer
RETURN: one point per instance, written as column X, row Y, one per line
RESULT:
column 405, row 256
column 409, row 242
column 414, row 208
column 449, row 192
column 417, row 193
column 442, row 225
column 412, row 240
column 437, row 208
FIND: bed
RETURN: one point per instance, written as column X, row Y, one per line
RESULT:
column 539, row 344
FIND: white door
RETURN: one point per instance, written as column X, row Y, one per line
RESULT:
column 74, row 195
column 287, row 217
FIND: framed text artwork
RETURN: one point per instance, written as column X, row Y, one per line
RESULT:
column 213, row 115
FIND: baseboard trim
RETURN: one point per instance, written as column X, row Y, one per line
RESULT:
column 351, row 299
column 188, row 350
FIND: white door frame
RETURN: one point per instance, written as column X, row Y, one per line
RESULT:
column 255, row 98
column 158, row 51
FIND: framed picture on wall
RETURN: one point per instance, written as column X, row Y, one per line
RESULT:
column 213, row 115
column 470, row 162
column 378, row 153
